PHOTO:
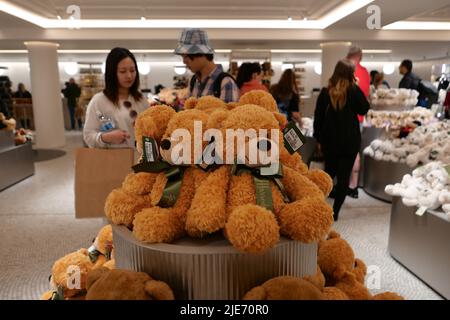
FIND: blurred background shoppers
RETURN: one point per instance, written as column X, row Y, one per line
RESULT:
column 249, row 77
column 286, row 95
column 336, row 127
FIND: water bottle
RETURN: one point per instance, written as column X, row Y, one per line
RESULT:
column 106, row 123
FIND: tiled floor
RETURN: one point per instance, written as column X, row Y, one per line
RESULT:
column 38, row 227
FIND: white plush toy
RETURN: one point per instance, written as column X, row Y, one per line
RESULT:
column 428, row 186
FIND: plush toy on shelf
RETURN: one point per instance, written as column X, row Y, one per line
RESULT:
column 428, row 187
column 7, row 124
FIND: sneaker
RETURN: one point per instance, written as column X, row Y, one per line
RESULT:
column 353, row 193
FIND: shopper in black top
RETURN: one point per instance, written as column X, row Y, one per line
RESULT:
column 336, row 126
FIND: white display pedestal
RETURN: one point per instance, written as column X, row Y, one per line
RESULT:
column 211, row 269
column 378, row 174
column 421, row 244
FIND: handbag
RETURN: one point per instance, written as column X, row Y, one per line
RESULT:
column 97, row 173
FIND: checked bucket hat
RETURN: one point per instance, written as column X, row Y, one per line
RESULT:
column 193, row 41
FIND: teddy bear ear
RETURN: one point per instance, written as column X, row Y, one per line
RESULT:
column 190, row 103
column 333, row 235
column 257, row 293
column 232, row 105
column 281, row 118
column 216, row 119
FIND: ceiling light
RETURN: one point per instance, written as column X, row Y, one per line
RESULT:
column 180, row 70
column 71, row 68
column 389, row 68
column 333, row 16
column 318, row 68
column 296, row 51
column 144, row 68
column 58, row 17
column 343, row 11
column 289, row 19
column 418, row 25
column 286, row 66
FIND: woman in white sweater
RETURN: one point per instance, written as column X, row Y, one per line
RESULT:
column 111, row 113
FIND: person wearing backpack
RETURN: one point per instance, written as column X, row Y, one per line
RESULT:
column 209, row 78
column 336, row 127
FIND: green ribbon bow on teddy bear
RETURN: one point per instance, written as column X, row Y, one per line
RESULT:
column 262, row 176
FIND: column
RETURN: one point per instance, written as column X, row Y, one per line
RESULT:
column 332, row 52
column 47, row 102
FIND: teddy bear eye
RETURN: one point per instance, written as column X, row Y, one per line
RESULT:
column 165, row 144
column 264, row 145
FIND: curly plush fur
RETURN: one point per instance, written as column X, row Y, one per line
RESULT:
column 285, row 288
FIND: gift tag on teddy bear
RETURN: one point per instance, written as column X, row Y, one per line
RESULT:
column 293, row 138
column 150, row 149
column 421, row 211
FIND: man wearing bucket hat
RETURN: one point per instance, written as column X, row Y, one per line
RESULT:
column 208, row 78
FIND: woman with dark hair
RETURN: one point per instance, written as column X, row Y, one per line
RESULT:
column 111, row 114
column 249, row 77
column 336, row 126
column 286, row 95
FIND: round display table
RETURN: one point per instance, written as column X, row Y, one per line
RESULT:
column 210, row 268
column 378, row 174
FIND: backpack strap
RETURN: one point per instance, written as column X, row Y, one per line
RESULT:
column 192, row 83
column 217, row 86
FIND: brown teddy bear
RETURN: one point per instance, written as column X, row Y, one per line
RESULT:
column 123, row 203
column 65, row 271
column 105, row 284
column 254, row 228
column 285, row 288
column 161, row 222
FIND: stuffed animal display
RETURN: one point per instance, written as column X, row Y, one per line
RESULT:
column 423, row 145
column 340, row 276
column 398, row 119
column 7, row 124
column 394, row 99
column 69, row 276
column 427, row 187
column 222, row 197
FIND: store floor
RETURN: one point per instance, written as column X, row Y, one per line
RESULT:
column 38, row 227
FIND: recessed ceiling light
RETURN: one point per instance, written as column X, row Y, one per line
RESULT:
column 418, row 25
column 333, row 16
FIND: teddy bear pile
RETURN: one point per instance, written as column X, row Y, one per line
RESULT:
column 90, row 274
column 169, row 197
column 394, row 98
column 339, row 276
column 217, row 199
column 427, row 187
column 423, row 145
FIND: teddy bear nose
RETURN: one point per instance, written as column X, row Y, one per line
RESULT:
column 165, row 144
column 264, row 145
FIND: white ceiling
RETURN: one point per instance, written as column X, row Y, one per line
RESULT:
column 412, row 44
column 176, row 9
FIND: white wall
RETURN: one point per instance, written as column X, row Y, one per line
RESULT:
column 163, row 73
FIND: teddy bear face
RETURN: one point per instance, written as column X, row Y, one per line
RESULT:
column 152, row 123
column 183, row 143
column 251, row 135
